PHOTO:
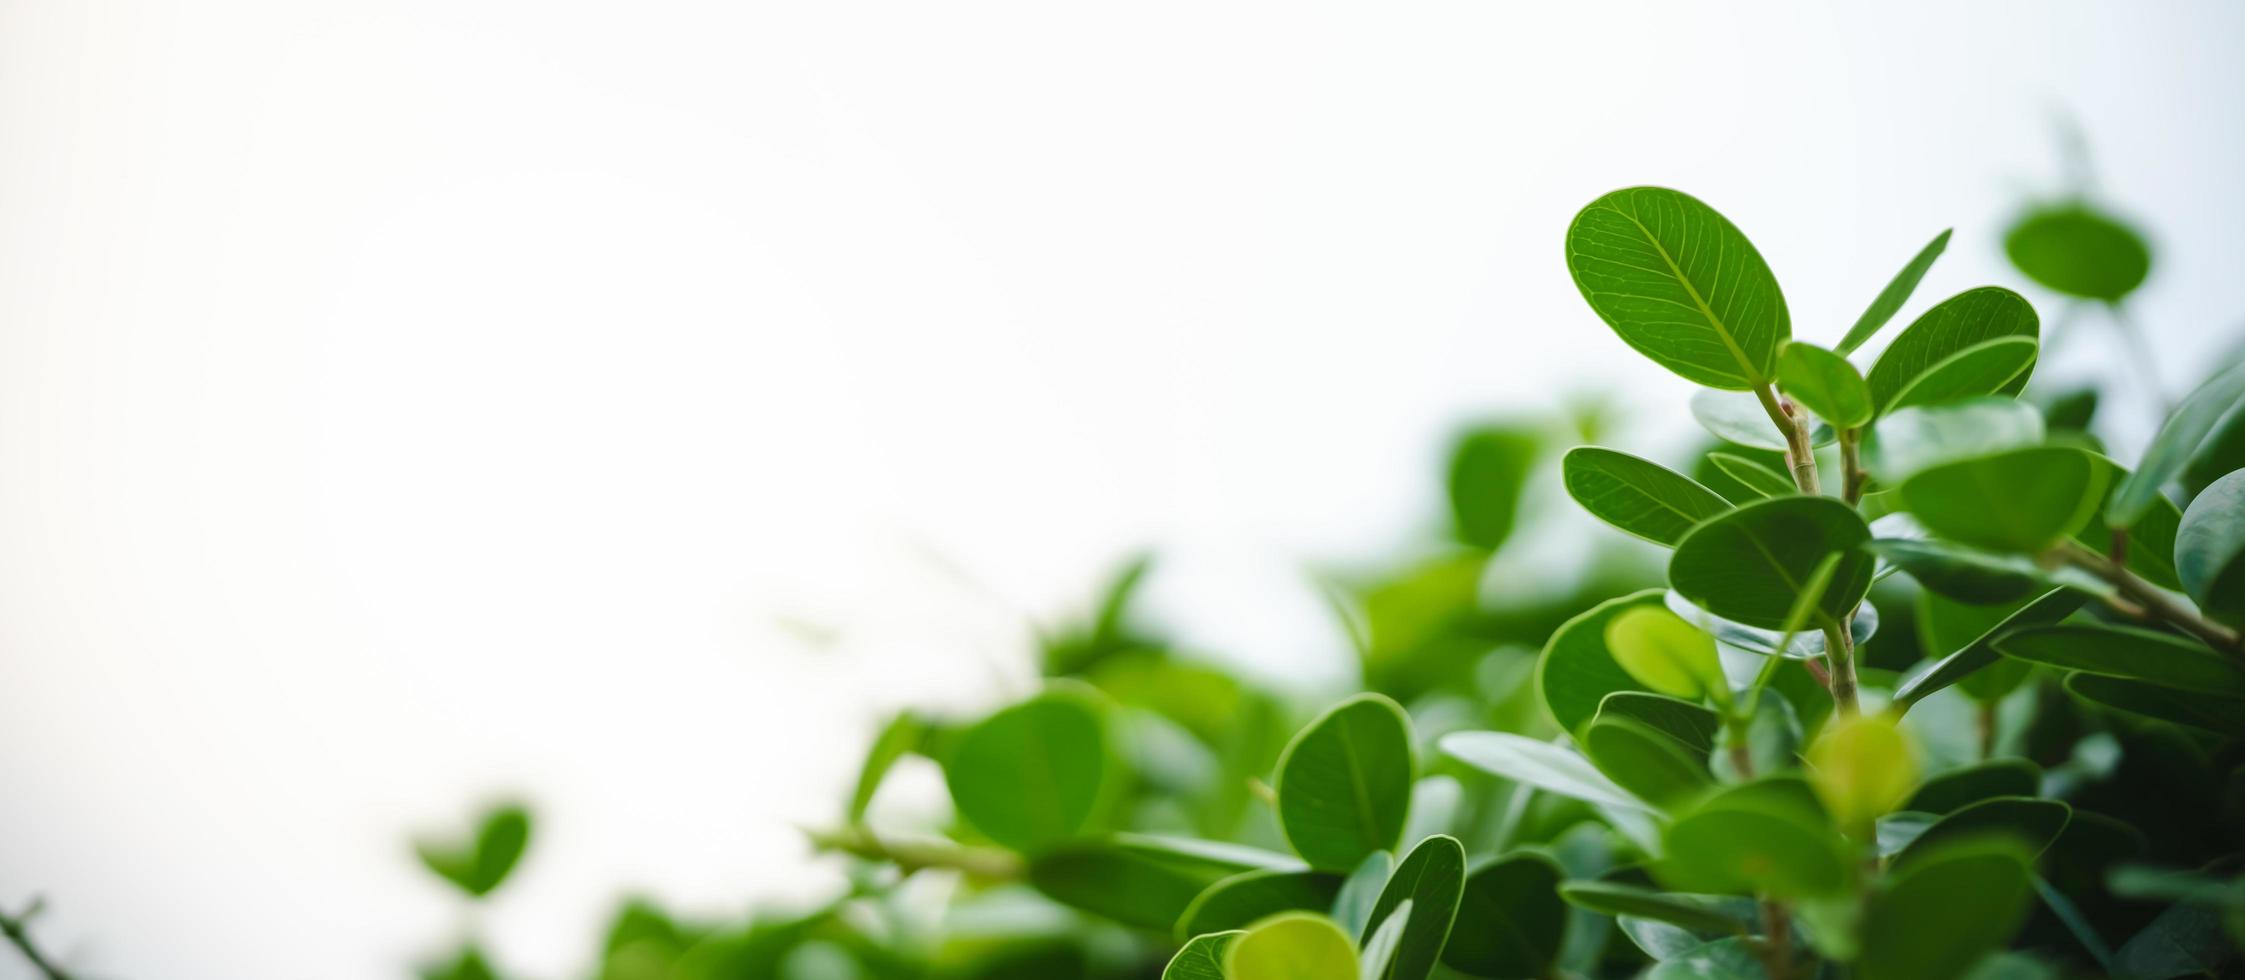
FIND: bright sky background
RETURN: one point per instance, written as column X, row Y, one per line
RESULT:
column 619, row 403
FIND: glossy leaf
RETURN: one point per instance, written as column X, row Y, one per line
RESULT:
column 1344, row 783
column 1242, row 899
column 1762, row 480
column 1985, row 368
column 1981, row 652
column 1034, row 774
column 2210, row 549
column 1680, row 284
column 1511, row 921
column 1380, row 948
column 1638, row 496
column 1141, row 880
column 1292, row 946
column 1920, row 438
column 1968, row 318
column 1539, row 764
column 2079, row 251
column 1825, row 383
column 1576, row 670
column 1432, row 880
column 1686, row 722
column 1748, row 565
column 1201, row 958
column 1897, row 292
column 1936, row 918
column 1650, row 764
column 2136, row 654
column 480, row 864
column 2205, row 712
column 2024, row 500
column 2033, row 823
column 2171, row 450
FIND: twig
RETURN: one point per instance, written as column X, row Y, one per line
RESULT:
column 17, row 930
column 2147, row 601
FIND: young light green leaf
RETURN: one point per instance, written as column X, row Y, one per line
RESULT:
column 1638, row 496
column 1897, row 292
column 1680, row 284
column 1652, row 765
column 1576, row 670
column 1663, row 652
column 1936, row 918
column 1431, row 881
column 2210, row 549
column 479, row 865
column 1762, row 480
column 2079, row 251
column 2033, row 823
column 2024, row 500
column 1984, row 368
column 1979, row 654
column 2177, row 442
column 1542, row 765
column 1292, row 946
column 1862, row 767
column 1141, row 880
column 1511, row 921
column 1036, row 773
column 1244, row 898
column 1201, row 958
column 1970, row 317
column 2136, row 654
column 1963, row 787
column 1344, row 783
column 2205, row 712
column 1747, row 565
column 1914, row 439
column 1825, row 383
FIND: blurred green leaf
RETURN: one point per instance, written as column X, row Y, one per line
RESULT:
column 1352, row 908
column 1740, row 419
column 1292, row 946
column 1487, row 471
column 1242, row 899
column 1344, row 784
column 1936, row 918
column 2079, row 251
column 2032, row 823
column 1756, row 838
column 1980, row 654
column 1431, row 880
column 901, row 735
column 2205, row 712
column 1971, row 784
column 2151, row 542
column 1511, row 921
column 1681, row 284
column 2136, row 654
column 1723, row 959
column 1037, row 773
column 1140, row 880
column 1638, row 496
column 1749, row 564
column 2184, row 941
column 2173, row 448
column 2024, row 500
column 2210, row 550
column 479, row 865
column 1381, row 947
column 1897, row 292
column 1862, row 767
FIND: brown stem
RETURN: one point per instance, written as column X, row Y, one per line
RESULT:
column 914, row 854
column 2149, row 602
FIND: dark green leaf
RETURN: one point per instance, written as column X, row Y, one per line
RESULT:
column 2078, row 251
column 1699, row 913
column 1914, row 439
column 1978, row 578
column 1292, row 946
column 1487, row 471
column 1638, row 496
column 1037, row 773
column 1944, row 624
column 1689, row 724
column 1971, row 784
column 1723, row 959
column 1680, row 284
column 2221, row 453
column 1765, row 482
column 1968, row 318
column 2151, row 542
column 1825, row 383
column 1576, row 671
column 2178, row 441
column 1344, row 783
column 2210, row 549
column 1749, row 564
column 2184, row 941
column 1936, row 918
column 2024, row 500
column 1897, row 292
column 1652, row 765
column 1238, row 901
column 1432, row 879
column 1141, row 880
column 2220, row 715
column 2033, row 823
column 1201, row 959
column 2154, row 658
column 480, row 865
column 1985, row 368
column 1511, row 921
column 1981, row 652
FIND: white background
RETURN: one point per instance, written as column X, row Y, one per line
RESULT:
column 406, row 402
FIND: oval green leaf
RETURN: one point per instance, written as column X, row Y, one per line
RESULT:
column 1690, row 724
column 1897, row 292
column 1431, row 879
column 1747, row 841
column 1542, row 765
column 1638, row 496
column 1963, row 787
column 1749, row 564
column 2079, row 251
column 2210, row 549
column 2032, row 823
column 1968, row 318
column 1511, row 921
column 1665, row 653
column 1936, row 918
column 2024, row 500
column 1698, row 913
column 1202, row 958
column 1036, row 773
column 1825, row 383
column 1344, row 783
column 1982, row 369
column 1140, row 880
column 1292, row 946
column 1760, row 479
column 479, row 865
column 1576, row 670
column 1242, row 899
column 1681, row 284
column 1650, row 764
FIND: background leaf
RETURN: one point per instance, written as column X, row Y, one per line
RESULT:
column 1036, row 773
column 2078, row 251
column 2137, row 654
column 1141, row 880
column 1344, row 783
column 479, row 865
column 1680, row 284
column 1487, row 471
column 1919, row 438
column 1242, row 899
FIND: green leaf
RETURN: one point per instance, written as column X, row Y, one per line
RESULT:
column 1202, row 958
column 1944, row 624
column 1862, row 767
column 2024, row 500
column 1751, row 839
column 1352, row 908
column 1762, row 480
column 1431, row 879
column 1511, row 921
column 1825, row 383
column 1539, row 764
column 1036, row 773
column 2184, row 941
column 2151, row 542
column 2210, row 549
column 1908, row 441
column 1242, row 899
column 1979, row 578
column 1723, row 959
column 2220, row 453
column 1897, row 292
column 1806, row 643
column 2205, row 712
column 1971, row 784
column 1638, row 496
column 1140, row 880
column 1952, row 906
column 901, row 735
column 1968, row 318
column 1292, row 946
column 1487, row 471
column 1665, row 653
column 1576, row 670
column 1747, row 565
column 2033, row 823
column 2172, row 449
column 1381, row 946
column 1981, row 652
column 1985, row 368
column 1699, row 913
column 480, row 865
column 1652, row 765
column 1680, row 284
column 2135, row 654
column 2078, row 251
column 1344, row 783
column 1688, row 723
